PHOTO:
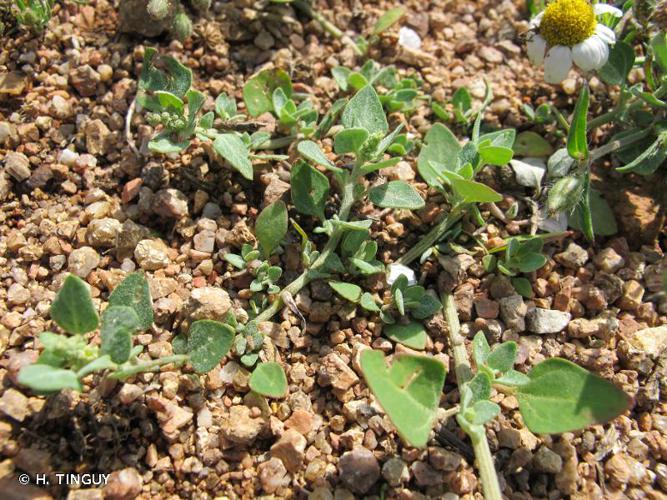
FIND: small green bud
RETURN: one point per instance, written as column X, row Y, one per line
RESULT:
column 158, row 9
column 565, row 194
column 182, row 26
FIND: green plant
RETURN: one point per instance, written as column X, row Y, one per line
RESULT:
column 67, row 359
column 522, row 255
column 555, row 396
column 638, row 122
column 33, row 14
column 409, row 299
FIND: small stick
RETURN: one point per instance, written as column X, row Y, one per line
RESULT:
column 128, row 127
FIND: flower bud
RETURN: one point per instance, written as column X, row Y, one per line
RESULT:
column 182, row 26
column 565, row 194
column 158, row 9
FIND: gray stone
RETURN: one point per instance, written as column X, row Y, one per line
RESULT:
column 547, row 320
column 513, row 312
column 358, row 470
column 546, row 460
column 82, row 261
column 170, row 203
column 103, row 232
column 573, row 257
column 208, row 303
column 17, row 166
column 395, row 471
column 151, row 255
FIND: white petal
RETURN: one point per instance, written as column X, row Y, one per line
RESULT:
column 603, row 8
column 535, row 22
column 536, row 47
column 606, row 33
column 529, row 172
column 557, row 64
column 409, row 38
column 395, row 270
column 590, row 54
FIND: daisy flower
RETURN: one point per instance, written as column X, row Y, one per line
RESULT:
column 566, row 33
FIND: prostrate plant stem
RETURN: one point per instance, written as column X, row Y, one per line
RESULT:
column 147, row 366
column 312, row 273
column 328, row 26
column 463, row 371
column 432, row 237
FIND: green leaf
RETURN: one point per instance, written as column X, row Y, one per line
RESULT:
column 179, row 344
column 269, row 380
column 462, row 99
column 523, row 287
column 368, row 302
column 480, row 349
column 195, row 101
column 118, row 325
column 412, row 335
column 208, row 342
column 134, row 292
column 530, row 143
column 396, row 194
column 340, row 75
column 173, row 77
column 502, row 138
column 648, row 161
column 512, row 378
column 233, row 149
column 73, row 309
column 365, row 111
column 531, row 262
column 496, row 155
column 350, row 140
column 604, row 221
column 225, row 106
column 409, row 391
column 258, row 91
column 442, row 147
column 388, row 19
column 474, row 192
column 45, row 378
column 311, row 151
column 563, row 397
column 577, row 142
column 659, row 48
column 502, row 357
column 480, row 388
column 483, row 411
column 310, row 190
column 164, row 143
column 349, row 291
column 428, row 306
column 369, row 168
column 169, row 101
column 271, row 226
column 618, row 66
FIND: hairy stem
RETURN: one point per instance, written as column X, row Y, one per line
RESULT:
column 146, row 366
column 328, row 26
column 312, row 273
column 463, row 371
column 612, row 146
column 432, row 237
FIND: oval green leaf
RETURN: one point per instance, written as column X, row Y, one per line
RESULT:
column 208, row 342
column 134, row 292
column 349, row 291
column 269, row 380
column 409, row 391
column 271, row 226
column 232, row 149
column 412, row 335
column 118, row 325
column 45, row 378
column 396, row 194
column 73, row 309
column 563, row 397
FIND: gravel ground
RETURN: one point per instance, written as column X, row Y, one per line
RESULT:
column 76, row 199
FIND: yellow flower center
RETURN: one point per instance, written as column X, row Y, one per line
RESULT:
column 567, row 22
